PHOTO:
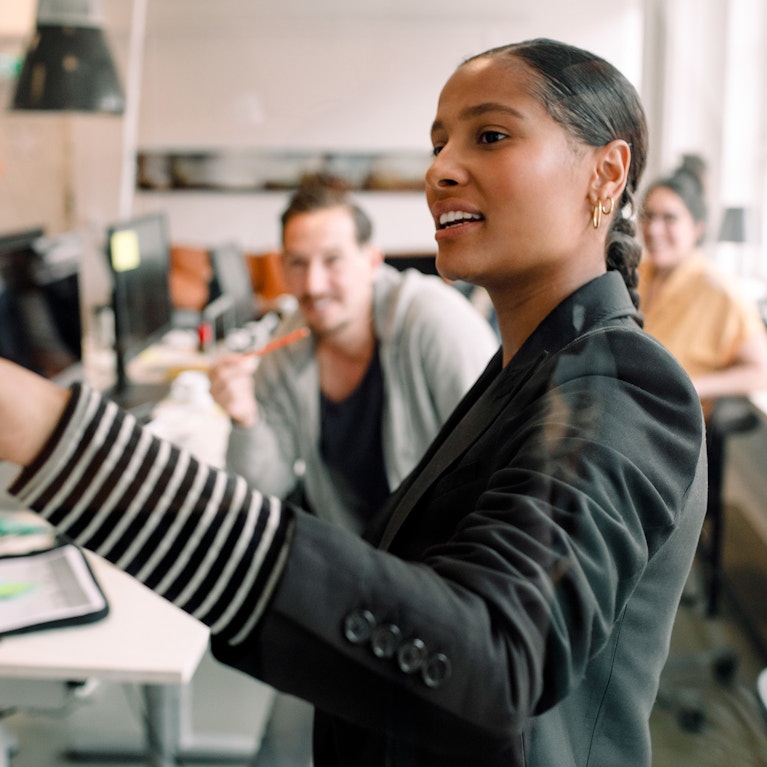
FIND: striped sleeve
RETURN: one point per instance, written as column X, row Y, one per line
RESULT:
column 193, row 534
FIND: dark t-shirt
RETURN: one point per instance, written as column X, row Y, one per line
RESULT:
column 351, row 444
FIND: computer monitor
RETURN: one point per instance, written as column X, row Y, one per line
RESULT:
column 138, row 252
column 40, row 309
column 423, row 262
column 231, row 278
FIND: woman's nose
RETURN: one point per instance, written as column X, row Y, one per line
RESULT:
column 653, row 225
column 444, row 170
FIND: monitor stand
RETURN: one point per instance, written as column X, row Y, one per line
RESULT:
column 136, row 397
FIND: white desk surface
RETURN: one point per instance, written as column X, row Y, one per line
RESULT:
column 759, row 400
column 144, row 639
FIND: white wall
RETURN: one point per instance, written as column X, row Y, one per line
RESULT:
column 364, row 80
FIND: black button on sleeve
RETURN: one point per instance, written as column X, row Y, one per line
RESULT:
column 385, row 640
column 411, row 655
column 358, row 626
column 436, row 671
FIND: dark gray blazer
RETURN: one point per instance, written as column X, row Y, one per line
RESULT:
column 517, row 603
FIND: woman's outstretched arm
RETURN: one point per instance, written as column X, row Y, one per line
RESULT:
column 195, row 535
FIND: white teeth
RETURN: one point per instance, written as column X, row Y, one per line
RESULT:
column 457, row 215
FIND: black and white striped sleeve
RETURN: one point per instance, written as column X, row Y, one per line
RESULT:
column 193, row 534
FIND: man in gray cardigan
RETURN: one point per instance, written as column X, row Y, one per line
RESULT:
column 353, row 406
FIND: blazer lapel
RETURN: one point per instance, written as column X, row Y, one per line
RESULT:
column 603, row 299
column 467, row 424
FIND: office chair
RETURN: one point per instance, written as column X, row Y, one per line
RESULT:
column 761, row 691
column 678, row 690
column 731, row 415
column 232, row 278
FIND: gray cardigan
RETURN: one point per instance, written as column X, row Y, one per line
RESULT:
column 433, row 345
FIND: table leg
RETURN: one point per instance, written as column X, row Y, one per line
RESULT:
column 167, row 737
column 162, row 724
column 7, row 744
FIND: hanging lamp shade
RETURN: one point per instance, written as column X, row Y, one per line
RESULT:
column 68, row 66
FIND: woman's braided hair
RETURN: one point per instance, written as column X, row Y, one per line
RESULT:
column 596, row 104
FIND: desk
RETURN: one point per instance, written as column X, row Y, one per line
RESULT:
column 143, row 640
column 759, row 401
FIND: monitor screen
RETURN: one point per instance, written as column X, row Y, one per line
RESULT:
column 138, row 253
column 40, row 309
column 423, row 262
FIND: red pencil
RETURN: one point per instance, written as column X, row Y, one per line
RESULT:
column 278, row 343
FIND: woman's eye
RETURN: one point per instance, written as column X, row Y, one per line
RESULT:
column 436, row 150
column 491, row 137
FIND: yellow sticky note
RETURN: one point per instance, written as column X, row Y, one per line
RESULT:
column 124, row 251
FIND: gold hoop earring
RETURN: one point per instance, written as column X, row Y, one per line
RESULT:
column 596, row 217
column 610, row 209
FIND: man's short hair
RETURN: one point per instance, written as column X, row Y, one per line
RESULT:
column 320, row 192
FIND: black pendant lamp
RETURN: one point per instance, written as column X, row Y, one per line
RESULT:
column 68, row 66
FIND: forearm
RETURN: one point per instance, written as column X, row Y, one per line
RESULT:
column 734, row 381
column 747, row 373
column 30, row 409
column 193, row 534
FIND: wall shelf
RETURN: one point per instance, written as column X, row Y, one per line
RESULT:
column 254, row 170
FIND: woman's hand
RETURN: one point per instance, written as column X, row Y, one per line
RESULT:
column 30, row 408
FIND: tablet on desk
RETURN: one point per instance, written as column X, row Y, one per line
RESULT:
column 51, row 588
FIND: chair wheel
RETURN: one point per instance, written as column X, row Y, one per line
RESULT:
column 691, row 718
column 724, row 665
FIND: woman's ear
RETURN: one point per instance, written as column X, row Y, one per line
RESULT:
column 610, row 171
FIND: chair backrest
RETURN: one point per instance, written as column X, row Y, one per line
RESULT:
column 232, row 278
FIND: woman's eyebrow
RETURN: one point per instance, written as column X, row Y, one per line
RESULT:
column 489, row 106
column 477, row 110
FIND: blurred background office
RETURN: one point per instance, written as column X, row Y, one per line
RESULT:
column 250, row 89
column 227, row 104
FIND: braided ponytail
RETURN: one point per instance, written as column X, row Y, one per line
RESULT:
column 623, row 250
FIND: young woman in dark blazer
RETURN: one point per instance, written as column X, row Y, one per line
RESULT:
column 513, row 604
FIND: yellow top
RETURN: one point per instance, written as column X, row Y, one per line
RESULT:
column 698, row 314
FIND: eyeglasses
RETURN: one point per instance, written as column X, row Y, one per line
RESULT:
column 667, row 219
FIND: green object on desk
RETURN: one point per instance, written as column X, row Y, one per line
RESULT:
column 12, row 589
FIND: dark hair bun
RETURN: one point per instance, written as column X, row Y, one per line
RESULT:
column 694, row 167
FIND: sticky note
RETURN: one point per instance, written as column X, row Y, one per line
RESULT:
column 123, row 248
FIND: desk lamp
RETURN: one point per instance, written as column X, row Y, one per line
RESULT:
column 733, row 227
column 68, row 66
column 732, row 239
